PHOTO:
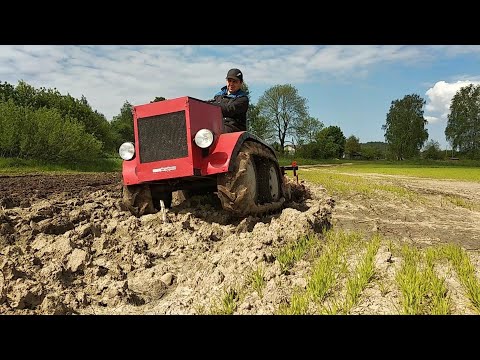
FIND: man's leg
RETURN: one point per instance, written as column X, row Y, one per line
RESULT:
column 229, row 125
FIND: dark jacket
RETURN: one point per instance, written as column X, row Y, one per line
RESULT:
column 234, row 107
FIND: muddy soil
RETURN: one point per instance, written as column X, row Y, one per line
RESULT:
column 67, row 246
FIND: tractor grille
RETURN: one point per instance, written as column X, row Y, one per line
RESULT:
column 162, row 137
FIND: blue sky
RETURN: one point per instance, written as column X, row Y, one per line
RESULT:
column 348, row 86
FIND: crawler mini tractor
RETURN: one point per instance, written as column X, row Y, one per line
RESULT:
column 179, row 144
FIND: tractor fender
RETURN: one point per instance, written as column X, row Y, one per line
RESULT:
column 226, row 148
column 129, row 172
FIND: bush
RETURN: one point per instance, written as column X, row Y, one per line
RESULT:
column 45, row 135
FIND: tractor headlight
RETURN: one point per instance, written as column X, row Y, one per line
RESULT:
column 204, row 138
column 126, row 151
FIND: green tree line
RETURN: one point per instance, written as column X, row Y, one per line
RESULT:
column 43, row 124
column 46, row 125
column 406, row 135
column 281, row 117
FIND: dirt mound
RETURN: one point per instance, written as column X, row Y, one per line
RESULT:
column 68, row 247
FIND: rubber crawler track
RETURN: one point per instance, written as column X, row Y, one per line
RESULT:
column 232, row 188
column 138, row 200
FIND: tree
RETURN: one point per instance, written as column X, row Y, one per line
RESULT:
column 246, row 89
column 432, row 150
column 284, row 108
column 405, row 130
column 25, row 94
column 307, row 129
column 374, row 150
column 331, row 143
column 463, row 127
column 69, row 107
column 44, row 134
column 6, row 91
column 259, row 125
column 158, row 98
column 369, row 153
column 122, row 124
column 352, row 146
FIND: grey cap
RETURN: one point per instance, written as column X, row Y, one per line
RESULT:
column 235, row 74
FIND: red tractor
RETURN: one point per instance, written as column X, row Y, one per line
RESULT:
column 180, row 145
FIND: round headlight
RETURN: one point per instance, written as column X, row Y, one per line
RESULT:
column 126, row 151
column 204, row 138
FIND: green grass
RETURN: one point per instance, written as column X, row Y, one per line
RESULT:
column 461, row 202
column 287, row 161
column 362, row 275
column 422, row 291
column 421, row 163
column 326, row 269
column 465, row 271
column 439, row 300
column 23, row 166
column 228, row 303
column 294, row 251
column 257, row 280
column 468, row 170
column 423, row 171
column 350, row 184
column 298, row 305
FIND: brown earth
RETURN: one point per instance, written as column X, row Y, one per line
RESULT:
column 68, row 247
column 441, row 211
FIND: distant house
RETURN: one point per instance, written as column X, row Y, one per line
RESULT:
column 289, row 149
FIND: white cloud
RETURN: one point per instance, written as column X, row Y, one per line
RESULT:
column 432, row 119
column 440, row 97
column 110, row 75
column 454, row 50
column 347, row 58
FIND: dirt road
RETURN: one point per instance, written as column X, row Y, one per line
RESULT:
column 68, row 247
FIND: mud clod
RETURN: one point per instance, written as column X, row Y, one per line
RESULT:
column 67, row 247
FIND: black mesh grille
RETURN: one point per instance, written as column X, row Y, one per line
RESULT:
column 162, row 137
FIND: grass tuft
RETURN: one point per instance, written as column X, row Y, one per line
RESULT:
column 465, row 271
